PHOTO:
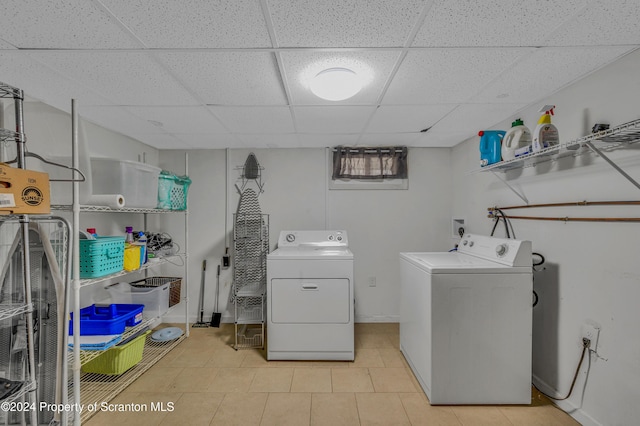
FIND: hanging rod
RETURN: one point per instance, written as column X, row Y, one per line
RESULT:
column 371, row 150
column 570, row 204
column 34, row 155
column 572, row 219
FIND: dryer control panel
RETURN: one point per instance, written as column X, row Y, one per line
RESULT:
column 502, row 250
column 335, row 238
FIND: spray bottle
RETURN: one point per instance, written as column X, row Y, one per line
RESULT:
column 546, row 134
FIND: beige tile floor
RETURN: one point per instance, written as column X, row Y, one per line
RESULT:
column 209, row 383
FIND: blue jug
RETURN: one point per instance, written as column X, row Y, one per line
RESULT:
column 490, row 146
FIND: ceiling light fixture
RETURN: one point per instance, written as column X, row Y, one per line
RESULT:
column 336, row 84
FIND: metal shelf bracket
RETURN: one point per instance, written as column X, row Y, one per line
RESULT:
column 504, row 181
column 612, row 164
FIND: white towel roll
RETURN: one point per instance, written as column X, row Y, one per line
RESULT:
column 115, row 201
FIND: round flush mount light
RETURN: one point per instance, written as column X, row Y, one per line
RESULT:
column 336, row 84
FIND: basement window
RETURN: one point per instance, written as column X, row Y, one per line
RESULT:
column 369, row 168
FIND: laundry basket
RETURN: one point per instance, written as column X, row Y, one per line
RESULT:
column 172, row 191
column 118, row 359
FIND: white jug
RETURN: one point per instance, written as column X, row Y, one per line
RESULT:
column 515, row 141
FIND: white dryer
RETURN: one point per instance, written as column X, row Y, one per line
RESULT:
column 466, row 321
column 310, row 304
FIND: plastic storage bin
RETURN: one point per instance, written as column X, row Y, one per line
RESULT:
column 172, row 191
column 155, row 299
column 101, row 256
column 175, row 284
column 137, row 182
column 107, row 319
column 118, row 359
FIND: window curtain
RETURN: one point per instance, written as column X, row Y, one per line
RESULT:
column 370, row 163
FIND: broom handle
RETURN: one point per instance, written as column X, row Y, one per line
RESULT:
column 201, row 301
column 217, row 288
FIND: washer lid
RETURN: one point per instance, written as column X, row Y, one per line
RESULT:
column 459, row 263
column 306, row 253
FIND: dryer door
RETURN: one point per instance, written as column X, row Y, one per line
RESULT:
column 310, row 301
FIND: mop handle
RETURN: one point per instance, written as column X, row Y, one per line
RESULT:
column 201, row 301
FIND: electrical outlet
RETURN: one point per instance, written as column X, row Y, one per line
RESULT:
column 591, row 332
column 457, row 227
column 372, row 281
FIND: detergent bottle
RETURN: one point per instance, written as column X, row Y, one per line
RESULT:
column 546, row 134
column 490, row 145
column 517, row 141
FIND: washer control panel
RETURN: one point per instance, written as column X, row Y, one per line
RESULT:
column 502, row 250
column 337, row 238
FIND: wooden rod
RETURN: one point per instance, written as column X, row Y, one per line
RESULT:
column 573, row 219
column 570, row 204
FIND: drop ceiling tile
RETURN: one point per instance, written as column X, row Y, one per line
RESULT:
column 6, row 45
column 337, row 119
column 228, row 78
column 194, row 23
column 40, row 82
column 162, row 141
column 180, row 119
column 466, row 121
column 433, row 76
column 529, row 79
column 301, row 66
column 71, row 24
column 288, row 140
column 118, row 119
column 307, row 140
column 210, row 141
column 125, row 78
column 603, row 23
column 346, row 23
column 447, row 139
column 389, row 139
column 407, row 118
column 496, row 23
column 251, row 120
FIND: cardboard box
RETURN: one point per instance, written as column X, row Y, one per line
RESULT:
column 23, row 191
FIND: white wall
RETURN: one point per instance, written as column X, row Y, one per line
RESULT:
column 592, row 270
column 380, row 223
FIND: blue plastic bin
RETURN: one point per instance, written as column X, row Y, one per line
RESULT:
column 107, row 319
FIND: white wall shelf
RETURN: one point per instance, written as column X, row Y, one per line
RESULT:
column 607, row 140
column 617, row 137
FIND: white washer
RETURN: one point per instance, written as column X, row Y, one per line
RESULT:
column 466, row 321
column 310, row 305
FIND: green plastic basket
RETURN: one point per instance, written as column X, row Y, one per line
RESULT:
column 118, row 359
column 101, row 256
column 172, row 191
